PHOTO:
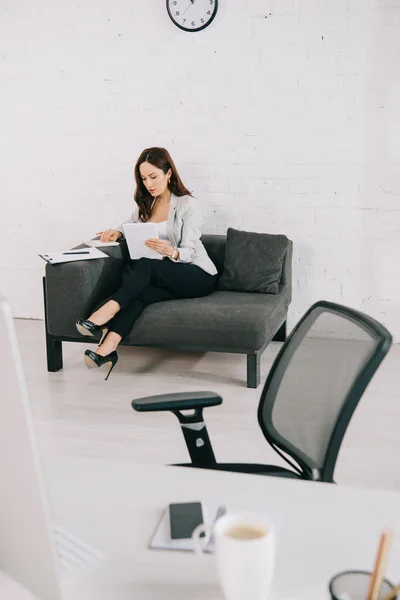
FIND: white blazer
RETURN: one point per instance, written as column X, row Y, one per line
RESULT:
column 184, row 232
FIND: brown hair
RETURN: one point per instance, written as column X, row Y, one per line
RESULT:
column 160, row 158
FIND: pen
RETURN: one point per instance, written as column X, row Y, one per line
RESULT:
column 85, row 252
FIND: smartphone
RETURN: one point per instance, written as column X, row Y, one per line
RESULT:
column 184, row 519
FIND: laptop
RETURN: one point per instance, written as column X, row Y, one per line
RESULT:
column 33, row 551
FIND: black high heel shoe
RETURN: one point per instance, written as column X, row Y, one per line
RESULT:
column 90, row 328
column 96, row 360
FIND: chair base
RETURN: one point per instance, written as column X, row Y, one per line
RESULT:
column 250, row 469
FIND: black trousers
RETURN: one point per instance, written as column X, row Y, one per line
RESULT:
column 152, row 281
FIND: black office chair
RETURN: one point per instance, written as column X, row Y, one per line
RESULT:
column 311, row 392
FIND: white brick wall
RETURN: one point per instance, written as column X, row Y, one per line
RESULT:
column 282, row 116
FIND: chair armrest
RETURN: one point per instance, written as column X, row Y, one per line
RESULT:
column 177, row 401
column 73, row 289
column 193, row 427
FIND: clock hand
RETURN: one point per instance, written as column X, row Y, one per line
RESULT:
column 191, row 2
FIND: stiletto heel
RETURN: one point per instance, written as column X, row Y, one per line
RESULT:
column 92, row 359
column 111, row 368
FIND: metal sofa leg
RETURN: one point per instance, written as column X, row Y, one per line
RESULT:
column 253, row 370
column 280, row 335
column 54, row 354
column 53, row 346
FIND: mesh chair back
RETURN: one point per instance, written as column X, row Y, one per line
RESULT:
column 315, row 384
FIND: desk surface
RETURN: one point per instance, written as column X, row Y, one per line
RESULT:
column 115, row 506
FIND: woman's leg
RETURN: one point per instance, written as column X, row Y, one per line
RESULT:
column 105, row 313
column 185, row 280
column 171, row 280
column 174, row 280
column 139, row 279
column 121, row 325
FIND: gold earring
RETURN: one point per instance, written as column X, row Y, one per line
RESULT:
column 169, row 181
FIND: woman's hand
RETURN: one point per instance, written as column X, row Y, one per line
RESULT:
column 110, row 235
column 160, row 246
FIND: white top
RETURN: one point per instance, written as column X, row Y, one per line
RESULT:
column 114, row 506
column 162, row 230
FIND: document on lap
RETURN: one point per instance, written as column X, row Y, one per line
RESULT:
column 54, row 258
column 136, row 235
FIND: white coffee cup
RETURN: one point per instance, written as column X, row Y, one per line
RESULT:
column 245, row 552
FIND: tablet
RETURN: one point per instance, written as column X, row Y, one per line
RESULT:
column 136, row 234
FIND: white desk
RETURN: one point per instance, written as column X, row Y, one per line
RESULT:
column 321, row 528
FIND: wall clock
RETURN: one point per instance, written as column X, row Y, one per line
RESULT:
column 192, row 15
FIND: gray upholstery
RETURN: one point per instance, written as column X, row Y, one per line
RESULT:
column 253, row 262
column 73, row 289
column 225, row 321
column 237, row 321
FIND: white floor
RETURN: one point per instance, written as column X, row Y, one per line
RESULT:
column 78, row 413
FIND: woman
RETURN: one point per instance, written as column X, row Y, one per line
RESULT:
column 185, row 272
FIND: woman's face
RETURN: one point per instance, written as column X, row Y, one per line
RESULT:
column 154, row 179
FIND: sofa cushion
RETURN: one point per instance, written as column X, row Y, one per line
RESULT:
column 215, row 247
column 203, row 323
column 253, row 262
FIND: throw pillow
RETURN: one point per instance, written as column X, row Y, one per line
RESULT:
column 253, row 261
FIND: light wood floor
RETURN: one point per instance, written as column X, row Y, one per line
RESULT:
column 78, row 413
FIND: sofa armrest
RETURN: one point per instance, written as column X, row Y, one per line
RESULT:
column 73, row 289
column 177, row 401
column 286, row 277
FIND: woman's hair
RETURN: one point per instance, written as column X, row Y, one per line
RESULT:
column 159, row 157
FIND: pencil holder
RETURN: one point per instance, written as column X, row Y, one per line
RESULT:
column 353, row 585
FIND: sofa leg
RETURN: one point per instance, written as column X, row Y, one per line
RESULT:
column 54, row 354
column 253, row 370
column 280, row 335
column 53, row 347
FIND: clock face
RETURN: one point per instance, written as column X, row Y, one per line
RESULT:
column 192, row 15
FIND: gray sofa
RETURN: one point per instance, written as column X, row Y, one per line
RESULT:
column 224, row 321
